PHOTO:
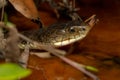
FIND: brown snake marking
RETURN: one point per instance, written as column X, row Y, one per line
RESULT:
column 63, row 33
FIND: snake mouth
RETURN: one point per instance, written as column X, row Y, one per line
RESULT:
column 68, row 41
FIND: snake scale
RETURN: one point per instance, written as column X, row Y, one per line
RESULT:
column 61, row 34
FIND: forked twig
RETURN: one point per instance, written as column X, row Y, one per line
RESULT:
column 57, row 53
column 92, row 20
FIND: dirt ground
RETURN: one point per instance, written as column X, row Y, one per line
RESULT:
column 100, row 48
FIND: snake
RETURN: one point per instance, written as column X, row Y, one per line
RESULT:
column 60, row 34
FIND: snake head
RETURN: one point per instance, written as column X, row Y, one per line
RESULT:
column 82, row 27
column 73, row 31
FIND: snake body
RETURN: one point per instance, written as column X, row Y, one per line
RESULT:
column 60, row 34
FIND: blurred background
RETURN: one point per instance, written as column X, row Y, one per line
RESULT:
column 100, row 48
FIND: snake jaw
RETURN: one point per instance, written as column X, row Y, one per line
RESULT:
column 75, row 33
column 69, row 41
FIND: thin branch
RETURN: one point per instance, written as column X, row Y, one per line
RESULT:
column 3, row 10
column 78, row 66
column 48, row 48
column 57, row 53
column 25, row 56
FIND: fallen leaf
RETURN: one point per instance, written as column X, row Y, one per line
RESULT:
column 25, row 7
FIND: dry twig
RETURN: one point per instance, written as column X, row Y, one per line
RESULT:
column 25, row 56
column 57, row 53
column 11, row 51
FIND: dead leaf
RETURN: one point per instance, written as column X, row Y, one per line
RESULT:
column 25, row 7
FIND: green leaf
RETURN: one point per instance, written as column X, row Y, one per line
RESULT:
column 91, row 68
column 9, row 24
column 10, row 71
column 5, row 18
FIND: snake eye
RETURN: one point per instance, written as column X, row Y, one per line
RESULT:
column 72, row 30
column 83, row 29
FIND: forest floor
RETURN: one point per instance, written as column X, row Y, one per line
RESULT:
column 100, row 48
